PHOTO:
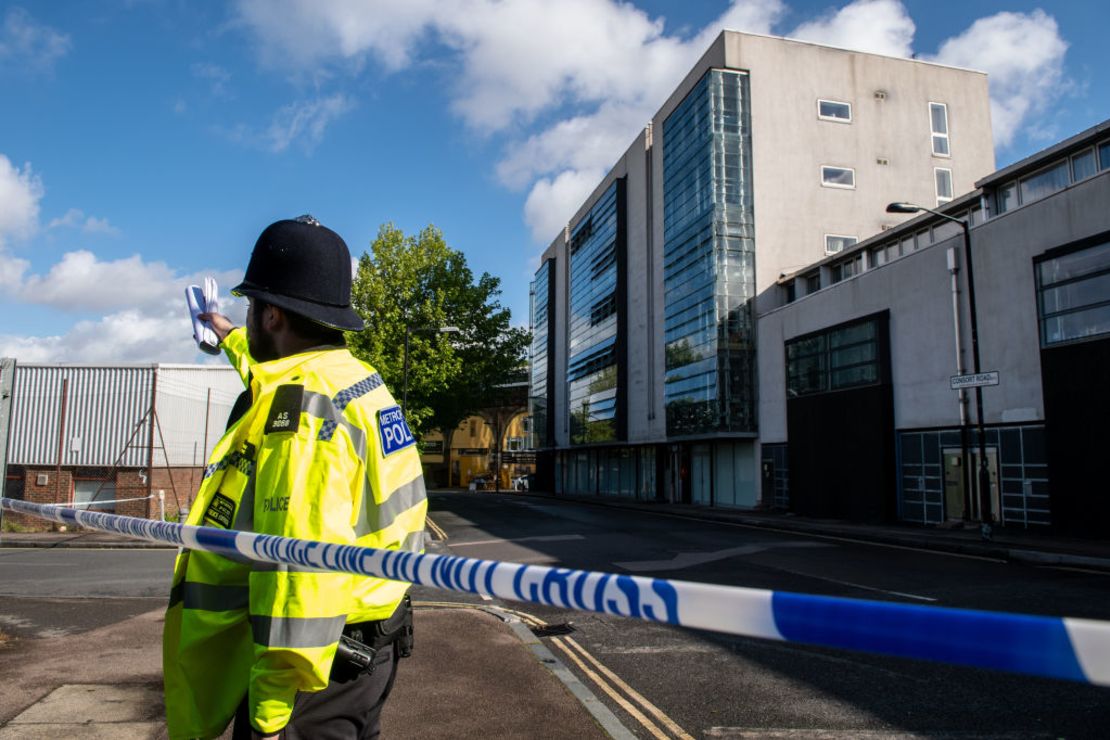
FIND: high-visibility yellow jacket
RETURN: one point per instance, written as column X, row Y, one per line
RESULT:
column 324, row 454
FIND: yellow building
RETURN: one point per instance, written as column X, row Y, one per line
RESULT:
column 470, row 454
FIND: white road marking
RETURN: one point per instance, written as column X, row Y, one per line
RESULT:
column 538, row 538
column 689, row 559
column 850, row 584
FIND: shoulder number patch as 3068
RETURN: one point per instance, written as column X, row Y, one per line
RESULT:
column 393, row 430
column 285, row 411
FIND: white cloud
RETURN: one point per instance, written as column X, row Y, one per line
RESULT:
column 26, row 44
column 303, row 122
column 94, row 225
column 608, row 65
column 515, row 58
column 552, row 201
column 12, row 270
column 125, row 336
column 1023, row 55
column 144, row 318
column 582, row 142
column 302, row 34
column 307, row 120
column 876, row 26
column 82, row 282
column 20, row 193
column 75, row 218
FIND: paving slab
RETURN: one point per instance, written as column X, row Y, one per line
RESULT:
column 472, row 675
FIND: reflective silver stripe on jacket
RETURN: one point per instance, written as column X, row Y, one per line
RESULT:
column 234, row 458
column 296, row 632
column 322, row 407
column 414, row 542
column 374, row 518
column 344, row 399
column 210, row 597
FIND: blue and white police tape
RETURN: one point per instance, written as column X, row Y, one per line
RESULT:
column 1074, row 649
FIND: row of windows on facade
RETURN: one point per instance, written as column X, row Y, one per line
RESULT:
column 1073, row 295
column 841, row 112
column 1073, row 304
column 845, row 177
column 833, row 176
column 1056, row 176
column 1053, row 177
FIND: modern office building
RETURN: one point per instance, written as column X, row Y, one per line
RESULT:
column 770, row 155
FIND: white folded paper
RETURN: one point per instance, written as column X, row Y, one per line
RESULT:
column 204, row 301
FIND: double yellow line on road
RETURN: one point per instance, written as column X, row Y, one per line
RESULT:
column 437, row 530
column 613, row 685
column 626, row 697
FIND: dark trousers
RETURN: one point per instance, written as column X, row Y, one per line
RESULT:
column 348, row 709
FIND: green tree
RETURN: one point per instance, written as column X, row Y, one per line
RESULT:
column 420, row 282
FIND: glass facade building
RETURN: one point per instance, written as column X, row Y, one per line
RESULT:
column 709, row 259
column 538, row 393
column 595, row 251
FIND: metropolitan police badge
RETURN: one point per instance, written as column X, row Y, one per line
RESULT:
column 393, row 430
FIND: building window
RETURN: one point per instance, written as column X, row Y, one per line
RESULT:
column 845, row 270
column 938, row 120
column 1083, row 165
column 1044, row 183
column 541, row 320
column 838, row 243
column 943, row 177
column 838, row 177
column 1074, row 295
column 1005, row 198
column 813, row 282
column 1104, row 155
column 832, row 110
column 592, row 361
column 836, row 359
column 709, row 260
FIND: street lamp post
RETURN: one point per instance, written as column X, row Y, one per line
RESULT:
column 409, row 331
column 984, row 480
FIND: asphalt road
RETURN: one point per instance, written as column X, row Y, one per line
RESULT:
column 59, row 592
column 699, row 684
column 718, row 686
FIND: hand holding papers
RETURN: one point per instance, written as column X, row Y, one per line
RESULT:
column 204, row 301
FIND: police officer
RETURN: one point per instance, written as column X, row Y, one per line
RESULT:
column 321, row 453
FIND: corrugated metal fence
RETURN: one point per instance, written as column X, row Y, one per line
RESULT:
column 98, row 416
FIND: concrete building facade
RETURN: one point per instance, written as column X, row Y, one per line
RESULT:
column 769, row 155
column 898, row 442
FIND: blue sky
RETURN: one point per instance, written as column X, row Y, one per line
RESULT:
column 146, row 143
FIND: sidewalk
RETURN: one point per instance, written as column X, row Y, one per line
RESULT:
column 471, row 675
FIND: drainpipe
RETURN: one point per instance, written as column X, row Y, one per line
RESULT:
column 965, row 454
column 61, row 443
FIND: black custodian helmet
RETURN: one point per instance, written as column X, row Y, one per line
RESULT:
column 304, row 268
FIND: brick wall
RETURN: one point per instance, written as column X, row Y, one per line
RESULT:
column 56, row 489
column 129, row 484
